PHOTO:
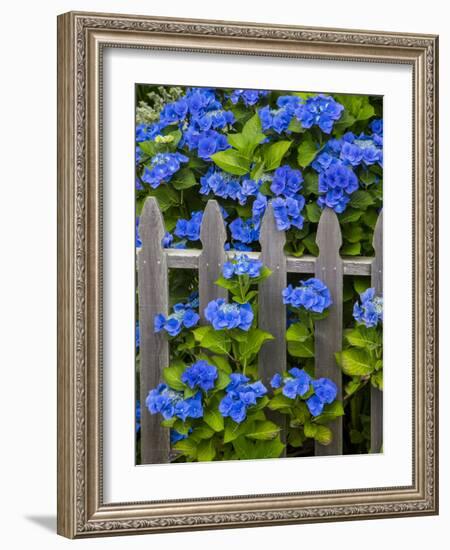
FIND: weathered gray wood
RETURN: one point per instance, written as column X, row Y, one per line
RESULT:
column 213, row 236
column 188, row 259
column 154, row 349
column 328, row 332
column 376, row 396
column 271, row 310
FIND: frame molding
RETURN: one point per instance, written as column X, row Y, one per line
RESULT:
column 81, row 37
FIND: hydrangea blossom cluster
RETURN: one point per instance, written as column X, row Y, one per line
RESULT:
column 299, row 383
column 228, row 316
column 320, row 110
column 227, row 186
column 244, row 231
column 183, row 315
column 206, row 142
column 311, row 295
column 336, row 184
column 279, row 119
column 199, row 109
column 286, row 181
column 190, row 229
column 248, row 97
column 144, row 133
column 241, row 264
column 287, row 212
column 352, row 150
column 200, row 375
column 240, row 395
column 370, row 311
column 171, row 403
column 163, row 167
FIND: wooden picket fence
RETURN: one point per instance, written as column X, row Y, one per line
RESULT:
column 154, row 261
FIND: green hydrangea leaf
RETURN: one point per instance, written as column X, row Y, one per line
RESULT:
column 274, row 154
column 356, row 362
column 232, row 162
column 214, row 419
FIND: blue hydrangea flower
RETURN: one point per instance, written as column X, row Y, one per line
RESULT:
column 189, row 408
column 200, row 375
column 244, row 231
column 274, row 119
column 276, row 381
column 325, row 392
column 286, row 181
column 325, row 389
column 171, row 403
column 351, row 153
column 336, row 184
column 163, row 400
column 370, row 311
column 138, row 416
column 312, row 295
column 287, row 212
column 371, row 153
column 320, row 110
column 241, row 264
column 227, row 186
column 206, row 142
column 137, row 335
column 290, row 103
column 211, row 142
column 298, row 384
column 167, row 240
column 183, row 315
column 240, row 395
column 163, row 167
column 248, row 97
column 377, row 126
column 146, row 132
column 227, row 316
column 190, row 229
column 315, row 405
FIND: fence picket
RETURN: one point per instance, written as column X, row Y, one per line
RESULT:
column 328, row 332
column 376, row 396
column 271, row 310
column 213, row 236
column 154, row 349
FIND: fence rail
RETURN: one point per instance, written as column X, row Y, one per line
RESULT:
column 154, row 261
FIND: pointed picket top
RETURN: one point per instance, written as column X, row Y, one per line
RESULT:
column 213, row 226
column 269, row 230
column 328, row 231
column 151, row 223
column 213, row 236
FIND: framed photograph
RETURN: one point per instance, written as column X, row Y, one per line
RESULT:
column 247, row 283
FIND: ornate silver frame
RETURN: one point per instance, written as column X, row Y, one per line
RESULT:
column 81, row 37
